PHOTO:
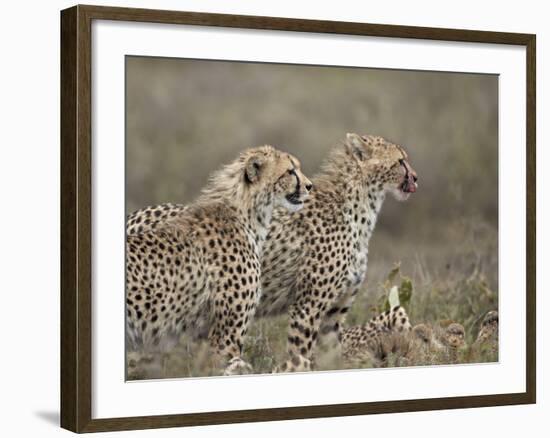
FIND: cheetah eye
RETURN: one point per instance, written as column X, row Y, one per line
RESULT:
column 401, row 161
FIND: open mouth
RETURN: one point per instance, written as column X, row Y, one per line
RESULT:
column 294, row 199
column 409, row 184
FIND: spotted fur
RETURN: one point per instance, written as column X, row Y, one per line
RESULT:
column 315, row 261
column 374, row 341
column 196, row 269
column 391, row 332
column 487, row 337
column 149, row 218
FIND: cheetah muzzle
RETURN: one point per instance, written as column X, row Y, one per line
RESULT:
column 410, row 180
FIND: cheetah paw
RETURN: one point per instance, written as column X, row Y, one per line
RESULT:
column 237, row 366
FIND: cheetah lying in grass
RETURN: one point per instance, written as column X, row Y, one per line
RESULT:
column 391, row 333
column 199, row 273
column 489, row 328
column 487, row 338
column 372, row 342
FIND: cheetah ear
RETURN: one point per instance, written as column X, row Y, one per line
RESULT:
column 253, row 168
column 358, row 147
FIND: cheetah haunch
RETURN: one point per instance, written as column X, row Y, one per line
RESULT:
column 199, row 273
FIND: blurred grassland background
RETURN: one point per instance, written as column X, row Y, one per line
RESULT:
column 186, row 118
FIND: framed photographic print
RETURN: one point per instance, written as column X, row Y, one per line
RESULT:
column 225, row 180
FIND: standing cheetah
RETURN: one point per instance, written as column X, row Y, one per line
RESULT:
column 314, row 262
column 200, row 272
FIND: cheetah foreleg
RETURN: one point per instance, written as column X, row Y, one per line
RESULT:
column 331, row 327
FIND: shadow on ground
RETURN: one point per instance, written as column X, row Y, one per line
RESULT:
column 51, row 417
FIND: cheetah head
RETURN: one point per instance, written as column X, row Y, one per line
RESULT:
column 384, row 163
column 422, row 333
column 279, row 174
column 454, row 335
column 489, row 326
column 491, row 319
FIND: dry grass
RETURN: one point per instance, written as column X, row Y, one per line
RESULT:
column 448, row 284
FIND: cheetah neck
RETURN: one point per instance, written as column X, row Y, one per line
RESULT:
column 258, row 214
column 360, row 198
column 362, row 210
column 252, row 207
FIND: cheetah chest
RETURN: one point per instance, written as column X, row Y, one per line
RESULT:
column 357, row 269
column 361, row 231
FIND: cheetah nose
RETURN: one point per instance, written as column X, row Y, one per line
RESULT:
column 309, row 187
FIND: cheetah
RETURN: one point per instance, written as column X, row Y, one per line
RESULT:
column 314, row 262
column 429, row 344
column 199, row 273
column 489, row 327
column 487, row 338
column 454, row 335
column 453, row 339
column 391, row 332
column 374, row 341
column 423, row 338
